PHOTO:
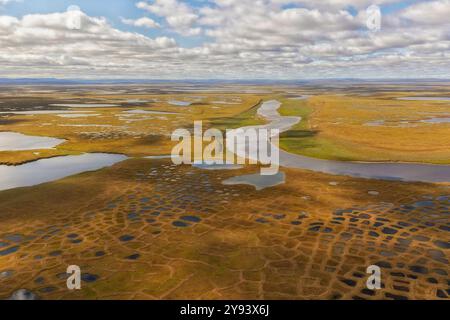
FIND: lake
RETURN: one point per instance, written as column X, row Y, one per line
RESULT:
column 46, row 170
column 14, row 141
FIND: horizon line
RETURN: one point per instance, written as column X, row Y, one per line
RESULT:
column 43, row 79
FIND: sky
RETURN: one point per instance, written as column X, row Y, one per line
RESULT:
column 224, row 39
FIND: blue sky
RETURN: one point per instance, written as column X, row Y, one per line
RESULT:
column 225, row 39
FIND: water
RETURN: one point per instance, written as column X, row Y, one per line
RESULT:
column 425, row 98
column 437, row 120
column 257, row 180
column 382, row 171
column 379, row 123
column 164, row 156
column 179, row 103
column 88, row 125
column 39, row 112
column 13, row 141
column 269, row 110
column 78, row 115
column 224, row 166
column 299, row 98
column 225, row 102
column 85, row 105
column 138, row 101
column 140, row 111
column 370, row 170
column 46, row 170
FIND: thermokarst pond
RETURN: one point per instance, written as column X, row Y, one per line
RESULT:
column 45, row 170
column 13, row 141
column 179, row 103
column 257, row 180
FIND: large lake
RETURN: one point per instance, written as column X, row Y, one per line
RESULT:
column 46, row 170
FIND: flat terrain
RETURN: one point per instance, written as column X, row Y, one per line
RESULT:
column 370, row 128
column 133, row 124
column 148, row 229
column 350, row 124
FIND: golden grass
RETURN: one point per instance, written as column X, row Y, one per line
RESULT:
column 228, row 255
column 333, row 126
column 117, row 132
column 336, row 127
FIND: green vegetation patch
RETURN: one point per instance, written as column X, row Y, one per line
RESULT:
column 248, row 117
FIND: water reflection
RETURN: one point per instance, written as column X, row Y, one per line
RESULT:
column 51, row 169
column 257, row 180
column 14, row 141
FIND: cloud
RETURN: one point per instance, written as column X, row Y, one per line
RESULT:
column 179, row 16
column 3, row 2
column 142, row 22
column 333, row 4
column 429, row 13
column 239, row 39
column 44, row 43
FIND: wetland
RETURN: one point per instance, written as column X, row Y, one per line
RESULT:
column 86, row 178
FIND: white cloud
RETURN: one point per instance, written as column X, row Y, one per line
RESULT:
column 429, row 13
column 43, row 43
column 245, row 39
column 334, row 4
column 3, row 2
column 179, row 16
column 142, row 22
